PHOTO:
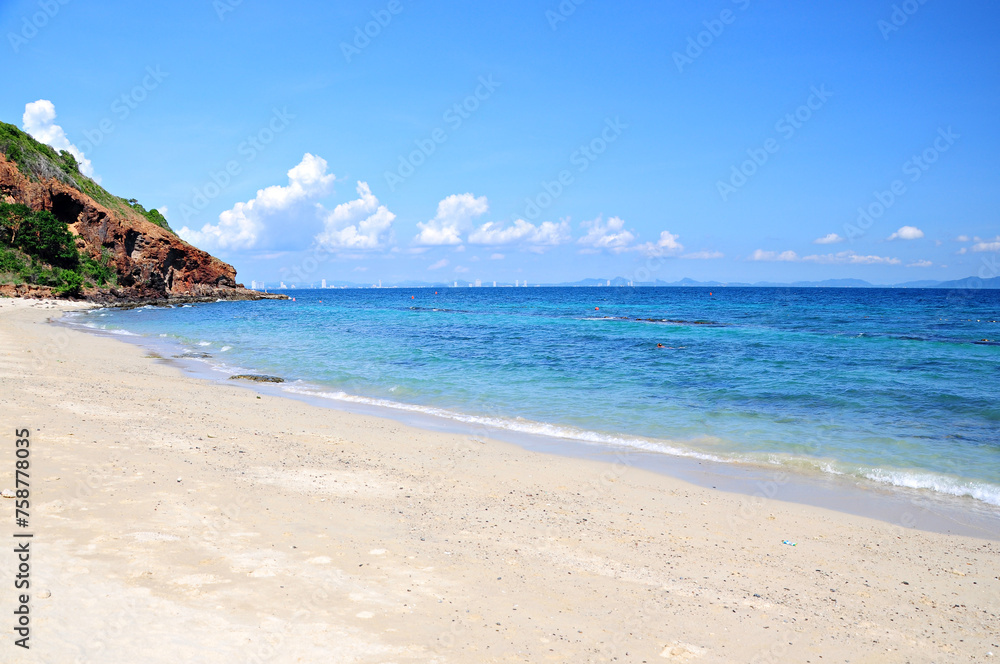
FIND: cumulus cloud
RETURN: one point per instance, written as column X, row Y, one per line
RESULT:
column 243, row 226
column 544, row 235
column 703, row 255
column 774, row 256
column 832, row 238
column 39, row 121
column 907, row 233
column 454, row 215
column 358, row 224
column 497, row 257
column 962, row 238
column 982, row 245
column 963, row 250
column 440, row 264
column 667, row 245
column 461, row 269
column 610, row 235
column 921, row 264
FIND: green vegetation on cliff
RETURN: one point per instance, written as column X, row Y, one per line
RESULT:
column 38, row 161
column 37, row 248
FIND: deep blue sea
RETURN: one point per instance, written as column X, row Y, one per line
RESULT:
column 896, row 386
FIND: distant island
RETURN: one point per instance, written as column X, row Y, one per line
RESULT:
column 63, row 235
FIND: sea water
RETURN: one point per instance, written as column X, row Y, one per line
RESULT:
column 901, row 387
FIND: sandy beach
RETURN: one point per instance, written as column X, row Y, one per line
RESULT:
column 179, row 520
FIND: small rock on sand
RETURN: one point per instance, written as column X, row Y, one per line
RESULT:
column 258, row 378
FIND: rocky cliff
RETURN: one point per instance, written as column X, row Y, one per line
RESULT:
column 150, row 261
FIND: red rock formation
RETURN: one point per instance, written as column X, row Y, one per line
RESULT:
column 150, row 261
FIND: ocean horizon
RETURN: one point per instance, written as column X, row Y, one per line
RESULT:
column 883, row 385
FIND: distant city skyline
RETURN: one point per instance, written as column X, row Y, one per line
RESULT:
column 739, row 141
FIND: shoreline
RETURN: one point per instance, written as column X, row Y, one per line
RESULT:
column 181, row 519
column 923, row 509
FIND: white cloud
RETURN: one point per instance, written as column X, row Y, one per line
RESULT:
column 460, row 269
column 921, row 264
column 440, row 264
column 850, row 258
column 963, row 250
column 774, row 256
column 704, row 255
column 841, row 258
column 611, row 235
column 38, row 121
column 907, row 233
column 962, row 238
column 164, row 211
column 667, row 245
column 832, row 238
column 358, row 224
column 454, row 215
column 986, row 245
column 243, row 226
column 497, row 257
column 546, row 234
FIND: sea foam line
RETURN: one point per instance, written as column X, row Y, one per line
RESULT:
column 516, row 425
column 980, row 491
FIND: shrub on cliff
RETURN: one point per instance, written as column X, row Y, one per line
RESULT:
column 38, row 234
column 10, row 262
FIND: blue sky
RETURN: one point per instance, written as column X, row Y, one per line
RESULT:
column 540, row 140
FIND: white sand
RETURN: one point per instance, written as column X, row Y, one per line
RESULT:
column 177, row 520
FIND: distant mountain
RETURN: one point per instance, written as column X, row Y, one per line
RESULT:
column 926, row 283
column 828, row 283
column 971, row 282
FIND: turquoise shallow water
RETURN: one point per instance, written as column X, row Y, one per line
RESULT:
column 896, row 386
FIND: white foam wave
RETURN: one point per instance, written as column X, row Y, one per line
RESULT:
column 121, row 333
column 519, row 425
column 982, row 491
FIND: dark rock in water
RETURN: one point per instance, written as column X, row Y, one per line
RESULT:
column 192, row 355
column 257, row 378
